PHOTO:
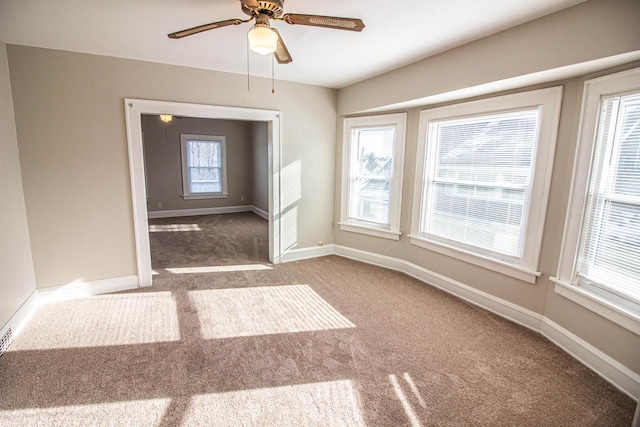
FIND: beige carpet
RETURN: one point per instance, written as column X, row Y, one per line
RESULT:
column 223, row 338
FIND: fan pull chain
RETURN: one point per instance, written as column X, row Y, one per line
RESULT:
column 273, row 75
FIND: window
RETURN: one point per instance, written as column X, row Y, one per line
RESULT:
column 372, row 175
column 204, row 172
column 600, row 258
column 482, row 180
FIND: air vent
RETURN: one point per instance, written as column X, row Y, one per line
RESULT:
column 5, row 341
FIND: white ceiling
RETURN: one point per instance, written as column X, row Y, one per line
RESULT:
column 397, row 32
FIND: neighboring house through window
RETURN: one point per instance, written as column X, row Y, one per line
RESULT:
column 204, row 173
column 482, row 180
column 372, row 175
column 600, row 259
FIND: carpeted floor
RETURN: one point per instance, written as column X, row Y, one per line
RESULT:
column 223, row 338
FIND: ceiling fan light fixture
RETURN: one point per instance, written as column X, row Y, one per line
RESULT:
column 166, row 117
column 262, row 39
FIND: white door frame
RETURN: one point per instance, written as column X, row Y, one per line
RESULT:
column 134, row 108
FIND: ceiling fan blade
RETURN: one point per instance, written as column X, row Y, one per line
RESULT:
column 205, row 27
column 350, row 24
column 282, row 53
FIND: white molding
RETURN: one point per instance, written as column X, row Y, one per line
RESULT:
column 566, row 273
column 205, row 196
column 468, row 293
column 76, row 290
column 307, row 253
column 548, row 101
column 611, row 310
column 185, row 138
column 492, row 264
column 256, row 210
column 20, row 318
column 349, row 150
column 133, row 110
column 200, row 211
column 608, row 368
column 371, row 231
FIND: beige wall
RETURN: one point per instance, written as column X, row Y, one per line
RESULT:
column 163, row 161
column 18, row 279
column 594, row 29
column 69, row 113
column 589, row 31
column 260, row 159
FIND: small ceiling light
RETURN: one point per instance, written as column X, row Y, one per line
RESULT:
column 166, row 117
column 262, row 39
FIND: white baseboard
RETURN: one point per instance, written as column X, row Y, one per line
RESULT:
column 21, row 317
column 256, row 210
column 59, row 293
column 611, row 370
column 307, row 253
column 468, row 293
column 199, row 211
column 608, row 368
column 84, row 289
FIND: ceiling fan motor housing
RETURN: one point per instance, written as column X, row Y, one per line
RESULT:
column 273, row 8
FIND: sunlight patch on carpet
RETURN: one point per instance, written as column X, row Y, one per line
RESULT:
column 219, row 269
column 406, row 405
column 242, row 312
column 160, row 228
column 333, row 403
column 103, row 320
column 101, row 414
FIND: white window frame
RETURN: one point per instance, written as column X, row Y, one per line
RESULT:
column 619, row 310
column 222, row 140
column 549, row 102
column 391, row 230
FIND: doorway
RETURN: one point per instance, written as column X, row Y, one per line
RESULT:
column 135, row 108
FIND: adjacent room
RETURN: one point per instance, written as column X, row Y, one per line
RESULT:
column 299, row 213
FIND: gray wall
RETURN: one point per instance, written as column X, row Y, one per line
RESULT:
column 70, row 118
column 163, row 164
column 260, row 164
column 591, row 30
column 18, row 279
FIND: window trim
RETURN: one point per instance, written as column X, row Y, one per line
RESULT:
column 549, row 101
column 222, row 140
column 625, row 315
column 395, row 188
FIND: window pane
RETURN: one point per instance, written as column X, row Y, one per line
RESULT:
column 205, row 180
column 204, row 161
column 609, row 254
column 371, row 171
column 480, row 184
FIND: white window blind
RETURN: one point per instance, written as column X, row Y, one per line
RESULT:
column 478, row 181
column 609, row 252
column 371, row 171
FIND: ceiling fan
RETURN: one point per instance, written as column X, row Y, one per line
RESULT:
column 265, row 40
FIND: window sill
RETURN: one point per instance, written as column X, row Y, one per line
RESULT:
column 371, row 231
column 205, row 196
column 624, row 316
column 501, row 267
